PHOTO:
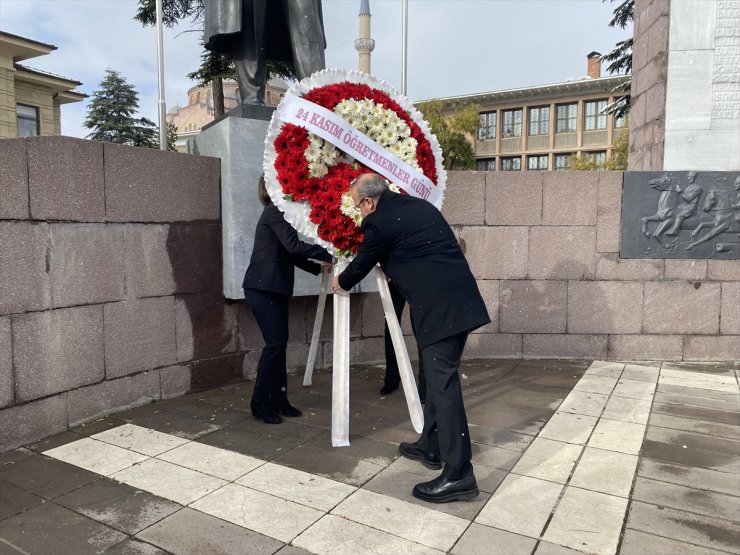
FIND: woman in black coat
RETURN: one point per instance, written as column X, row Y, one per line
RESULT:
column 268, row 286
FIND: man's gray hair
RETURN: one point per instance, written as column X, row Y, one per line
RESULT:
column 370, row 185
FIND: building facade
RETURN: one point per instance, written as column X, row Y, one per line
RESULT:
column 30, row 99
column 191, row 118
column 545, row 127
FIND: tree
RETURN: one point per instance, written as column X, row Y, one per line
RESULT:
column 621, row 56
column 171, row 136
column 111, row 114
column 618, row 160
column 451, row 132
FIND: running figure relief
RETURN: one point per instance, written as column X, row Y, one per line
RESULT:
column 681, row 215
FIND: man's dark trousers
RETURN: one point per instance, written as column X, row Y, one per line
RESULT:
column 444, row 403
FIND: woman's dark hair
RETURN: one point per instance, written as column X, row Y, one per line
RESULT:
column 262, row 191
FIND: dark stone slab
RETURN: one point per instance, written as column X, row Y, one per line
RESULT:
column 97, row 426
column 49, row 528
column 57, row 350
column 175, row 423
column 86, row 264
column 712, row 480
column 640, row 543
column 133, row 547
column 146, row 185
column 47, row 477
column 32, row 421
column 692, row 499
column 683, row 526
column 24, row 279
column 214, row 372
column 696, row 426
column 103, row 398
column 479, row 539
column 675, row 453
column 694, row 441
column 194, row 253
column 207, row 326
column 190, row 532
column 120, row 506
column 65, row 178
column 665, row 215
column 139, row 335
column 14, row 500
column 52, row 442
column 7, row 382
column 330, row 464
column 545, row 548
column 236, row 438
column 14, row 180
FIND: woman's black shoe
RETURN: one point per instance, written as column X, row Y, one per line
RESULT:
column 286, row 409
column 265, row 413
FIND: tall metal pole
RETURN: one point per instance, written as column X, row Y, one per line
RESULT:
column 404, row 58
column 160, row 70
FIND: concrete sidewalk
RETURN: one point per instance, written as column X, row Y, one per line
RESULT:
column 570, row 456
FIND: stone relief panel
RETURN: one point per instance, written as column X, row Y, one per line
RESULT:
column 681, row 215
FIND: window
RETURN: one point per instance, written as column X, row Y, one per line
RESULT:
column 562, row 161
column 539, row 120
column 512, row 123
column 598, row 157
column 620, row 122
column 595, row 115
column 487, row 126
column 567, row 114
column 511, row 164
column 27, row 120
column 537, row 162
column 486, row 164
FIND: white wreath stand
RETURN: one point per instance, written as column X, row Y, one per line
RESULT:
column 341, row 356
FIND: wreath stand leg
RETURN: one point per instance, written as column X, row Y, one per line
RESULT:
column 402, row 356
column 340, row 370
column 308, row 375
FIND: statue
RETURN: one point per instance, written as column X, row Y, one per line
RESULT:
column 254, row 31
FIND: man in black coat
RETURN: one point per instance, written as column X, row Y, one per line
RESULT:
column 254, row 31
column 417, row 250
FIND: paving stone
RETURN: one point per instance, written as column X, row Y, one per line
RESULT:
column 642, row 372
column 672, row 406
column 683, row 526
column 24, row 282
column 569, row 198
column 211, row 460
column 133, row 547
column 329, row 464
column 176, row 423
column 478, row 540
column 96, row 456
column 548, row 460
column 14, row 500
column 291, row 550
column 639, row 543
column 533, row 306
column 120, row 506
column 65, row 179
column 596, row 384
column 139, row 335
column 597, row 531
column 605, row 471
column 46, row 525
column 584, row 402
column 694, row 441
column 14, row 180
column 561, row 252
column 604, row 307
column 692, row 499
column 86, row 264
column 465, row 194
column 546, row 548
column 689, row 476
column 135, row 191
column 634, row 389
column 190, row 532
column 514, row 199
column 670, row 307
column 406, row 520
column 497, row 252
column 333, row 535
column 521, row 505
column 47, row 477
column 7, row 381
column 613, row 435
column 700, row 427
column 627, row 410
column 667, row 447
column 206, row 326
column 139, row 440
column 718, row 368
column 248, row 443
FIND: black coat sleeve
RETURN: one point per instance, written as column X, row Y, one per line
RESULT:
column 307, row 265
column 373, row 249
column 288, row 238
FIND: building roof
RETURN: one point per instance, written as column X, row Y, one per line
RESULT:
column 578, row 86
column 21, row 48
column 60, row 85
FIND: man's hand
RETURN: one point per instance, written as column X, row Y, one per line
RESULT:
column 326, row 267
column 335, row 284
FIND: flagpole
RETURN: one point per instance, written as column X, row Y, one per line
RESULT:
column 404, row 57
column 160, row 78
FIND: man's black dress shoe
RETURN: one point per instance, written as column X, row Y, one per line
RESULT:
column 387, row 389
column 415, row 452
column 265, row 413
column 286, row 409
column 443, row 490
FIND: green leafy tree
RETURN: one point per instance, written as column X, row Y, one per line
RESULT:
column 111, row 114
column 620, row 57
column 452, row 132
column 617, row 162
column 171, row 136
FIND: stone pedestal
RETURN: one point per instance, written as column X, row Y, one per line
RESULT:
column 240, row 142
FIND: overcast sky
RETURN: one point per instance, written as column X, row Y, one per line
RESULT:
column 456, row 47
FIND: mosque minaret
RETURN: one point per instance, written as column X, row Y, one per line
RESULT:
column 364, row 44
